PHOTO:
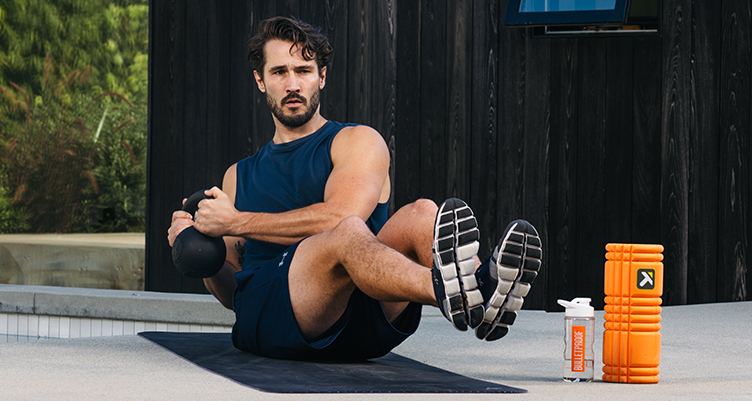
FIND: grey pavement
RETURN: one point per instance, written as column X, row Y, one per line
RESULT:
column 706, row 354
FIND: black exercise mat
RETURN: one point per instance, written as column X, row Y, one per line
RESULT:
column 390, row 374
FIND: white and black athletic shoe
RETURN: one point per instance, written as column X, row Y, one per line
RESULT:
column 455, row 243
column 506, row 278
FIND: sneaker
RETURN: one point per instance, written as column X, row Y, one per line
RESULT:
column 506, row 277
column 455, row 244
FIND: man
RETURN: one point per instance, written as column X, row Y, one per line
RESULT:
column 314, row 268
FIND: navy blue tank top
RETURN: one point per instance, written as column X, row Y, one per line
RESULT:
column 288, row 176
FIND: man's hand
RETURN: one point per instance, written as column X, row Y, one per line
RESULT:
column 180, row 221
column 216, row 217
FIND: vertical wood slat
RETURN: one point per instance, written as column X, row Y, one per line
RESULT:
column 384, row 79
column 563, row 221
column 384, row 66
column 483, row 118
column 288, row 8
column 734, row 199
column 408, row 141
column 196, row 88
column 646, row 137
column 618, row 121
column 590, row 169
column 360, row 69
column 618, row 164
column 747, row 294
column 206, row 84
column 164, row 133
column 675, row 128
column 704, row 138
column 433, row 167
column 458, row 101
column 535, row 154
column 407, row 117
column 522, row 143
column 511, row 125
column 241, row 83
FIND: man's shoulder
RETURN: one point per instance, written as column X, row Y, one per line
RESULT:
column 358, row 138
column 358, row 129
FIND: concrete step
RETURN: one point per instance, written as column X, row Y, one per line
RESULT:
column 110, row 261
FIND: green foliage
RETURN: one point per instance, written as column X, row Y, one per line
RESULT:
column 73, row 79
column 109, row 37
column 120, row 170
column 73, row 158
column 12, row 219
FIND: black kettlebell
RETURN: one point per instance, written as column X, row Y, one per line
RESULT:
column 195, row 254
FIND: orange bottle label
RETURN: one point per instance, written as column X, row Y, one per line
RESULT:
column 578, row 348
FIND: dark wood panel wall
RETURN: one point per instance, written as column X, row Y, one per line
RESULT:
column 594, row 140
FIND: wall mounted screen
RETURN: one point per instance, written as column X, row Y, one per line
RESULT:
column 565, row 12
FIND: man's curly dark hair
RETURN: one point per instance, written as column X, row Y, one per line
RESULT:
column 312, row 42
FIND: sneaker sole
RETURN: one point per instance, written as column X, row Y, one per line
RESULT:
column 517, row 259
column 455, row 243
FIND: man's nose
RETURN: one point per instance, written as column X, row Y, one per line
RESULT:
column 293, row 83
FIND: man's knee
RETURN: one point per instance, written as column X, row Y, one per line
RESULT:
column 424, row 207
column 352, row 225
column 420, row 210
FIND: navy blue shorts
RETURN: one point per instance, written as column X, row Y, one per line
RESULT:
column 265, row 324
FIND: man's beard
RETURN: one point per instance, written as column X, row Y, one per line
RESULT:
column 295, row 120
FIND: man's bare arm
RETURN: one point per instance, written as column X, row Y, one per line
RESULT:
column 358, row 181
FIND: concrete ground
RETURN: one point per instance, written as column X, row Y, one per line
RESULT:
column 706, row 354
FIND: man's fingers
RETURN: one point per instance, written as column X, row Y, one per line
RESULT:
column 215, row 192
column 177, row 227
column 180, row 221
column 179, row 214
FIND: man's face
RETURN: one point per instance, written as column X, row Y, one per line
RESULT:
column 291, row 83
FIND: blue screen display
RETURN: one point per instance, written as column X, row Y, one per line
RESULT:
column 532, row 6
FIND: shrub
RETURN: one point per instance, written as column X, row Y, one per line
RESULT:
column 73, row 81
column 74, row 162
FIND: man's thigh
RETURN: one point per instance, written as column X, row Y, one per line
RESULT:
column 319, row 289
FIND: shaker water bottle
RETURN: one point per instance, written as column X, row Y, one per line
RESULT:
column 579, row 323
column 632, row 339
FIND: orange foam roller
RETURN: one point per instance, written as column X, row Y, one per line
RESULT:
column 633, row 286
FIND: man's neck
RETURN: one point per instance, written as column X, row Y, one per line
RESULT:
column 284, row 134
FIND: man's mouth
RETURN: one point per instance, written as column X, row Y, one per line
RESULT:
column 293, row 102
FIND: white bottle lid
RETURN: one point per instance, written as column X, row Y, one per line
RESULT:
column 578, row 307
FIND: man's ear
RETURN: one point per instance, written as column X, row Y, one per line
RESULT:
column 259, row 81
column 322, row 78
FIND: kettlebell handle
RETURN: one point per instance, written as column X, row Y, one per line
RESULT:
column 191, row 205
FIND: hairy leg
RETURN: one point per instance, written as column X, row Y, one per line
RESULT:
column 410, row 232
column 327, row 267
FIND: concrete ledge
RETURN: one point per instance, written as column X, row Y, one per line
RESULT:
column 111, row 260
column 114, row 304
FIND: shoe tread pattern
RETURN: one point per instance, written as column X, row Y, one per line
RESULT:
column 517, row 259
column 455, row 244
